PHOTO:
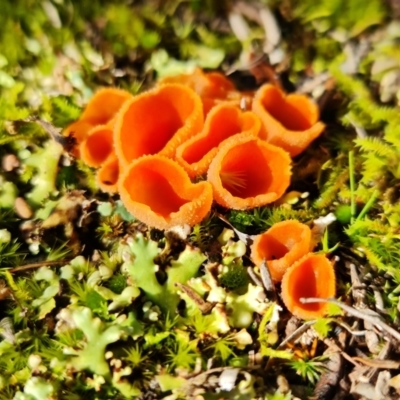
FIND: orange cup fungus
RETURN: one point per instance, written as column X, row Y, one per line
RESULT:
column 149, row 146
column 157, row 122
column 212, row 87
column 311, row 276
column 248, row 172
column 223, row 121
column 98, row 145
column 100, row 110
column 289, row 121
column 108, row 174
column 282, row 245
column 158, row 192
column 97, row 150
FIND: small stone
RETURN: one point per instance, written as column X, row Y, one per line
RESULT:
column 283, row 385
column 22, row 208
column 9, row 162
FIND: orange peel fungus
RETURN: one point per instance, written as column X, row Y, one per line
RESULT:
column 157, row 122
column 212, row 87
column 223, row 121
column 311, row 276
column 108, row 174
column 248, row 172
column 289, row 121
column 282, row 245
column 97, row 150
column 158, row 191
column 98, row 145
column 100, row 110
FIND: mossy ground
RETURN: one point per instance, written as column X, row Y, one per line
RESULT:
column 95, row 305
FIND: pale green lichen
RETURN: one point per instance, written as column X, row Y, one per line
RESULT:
column 45, row 161
column 142, row 269
column 46, row 302
column 36, row 388
column 241, row 308
column 98, row 336
column 8, row 193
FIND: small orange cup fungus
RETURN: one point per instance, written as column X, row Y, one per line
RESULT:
column 282, row 245
column 100, row 110
column 289, row 121
column 98, row 145
column 158, row 192
column 104, row 105
column 212, row 84
column 311, row 276
column 248, row 172
column 223, row 121
column 78, row 130
column 108, row 174
column 157, row 121
column 212, row 87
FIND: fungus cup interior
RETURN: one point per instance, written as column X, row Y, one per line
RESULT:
column 288, row 121
column 243, row 177
column 98, row 146
column 248, row 172
column 108, row 174
column 282, row 245
column 148, row 122
column 158, row 191
column 295, row 112
column 223, row 122
column 311, row 276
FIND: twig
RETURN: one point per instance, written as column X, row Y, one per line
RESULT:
column 247, row 239
column 50, row 129
column 357, row 287
column 330, row 343
column 380, row 364
column 254, row 277
column 204, row 306
column 38, row 265
column 373, row 319
column 267, row 280
column 298, row 332
column 349, row 329
column 383, row 355
column 379, row 305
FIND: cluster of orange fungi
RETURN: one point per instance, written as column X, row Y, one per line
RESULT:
column 194, row 139
column 287, row 249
